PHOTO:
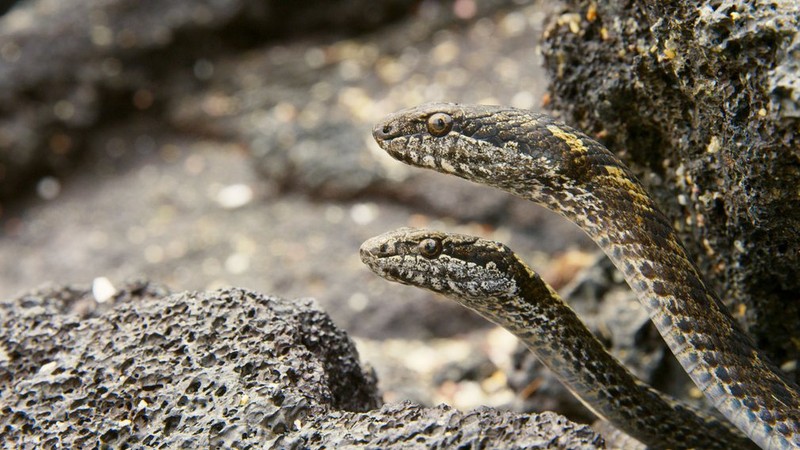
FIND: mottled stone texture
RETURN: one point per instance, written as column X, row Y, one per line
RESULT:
column 227, row 368
column 703, row 101
column 409, row 426
column 224, row 369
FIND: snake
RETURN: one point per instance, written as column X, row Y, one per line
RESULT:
column 490, row 279
column 541, row 159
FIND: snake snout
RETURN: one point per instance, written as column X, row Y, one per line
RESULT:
column 383, row 131
column 365, row 253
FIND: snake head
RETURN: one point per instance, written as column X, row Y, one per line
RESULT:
column 451, row 264
column 441, row 136
column 492, row 145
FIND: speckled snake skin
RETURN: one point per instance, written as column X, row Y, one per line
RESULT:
column 540, row 159
column 490, row 279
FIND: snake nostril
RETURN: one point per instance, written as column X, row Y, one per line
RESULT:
column 386, row 129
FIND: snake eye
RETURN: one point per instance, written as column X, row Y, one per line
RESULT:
column 430, row 248
column 440, row 124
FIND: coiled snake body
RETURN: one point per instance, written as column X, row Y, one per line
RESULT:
column 490, row 279
column 535, row 157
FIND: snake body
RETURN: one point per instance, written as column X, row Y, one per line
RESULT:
column 490, row 279
column 540, row 159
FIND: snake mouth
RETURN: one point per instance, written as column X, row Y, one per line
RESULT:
column 367, row 255
column 391, row 127
column 373, row 250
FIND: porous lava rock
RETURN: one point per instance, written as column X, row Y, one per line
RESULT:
column 224, row 369
column 702, row 99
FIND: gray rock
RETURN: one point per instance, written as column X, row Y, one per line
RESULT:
column 223, row 369
column 408, row 426
column 701, row 99
column 227, row 368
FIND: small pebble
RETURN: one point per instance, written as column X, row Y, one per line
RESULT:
column 102, row 289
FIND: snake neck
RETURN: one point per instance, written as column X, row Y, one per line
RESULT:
column 548, row 327
column 657, row 267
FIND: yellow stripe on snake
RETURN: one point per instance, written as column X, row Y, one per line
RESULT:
column 540, row 159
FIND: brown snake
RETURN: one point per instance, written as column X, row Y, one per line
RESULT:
column 540, row 159
column 489, row 278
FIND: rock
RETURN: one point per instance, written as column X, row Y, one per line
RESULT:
column 230, row 368
column 223, row 368
column 406, row 426
column 66, row 68
column 703, row 101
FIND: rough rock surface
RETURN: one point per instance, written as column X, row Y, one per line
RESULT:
column 172, row 370
column 406, row 425
column 703, row 101
column 225, row 369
